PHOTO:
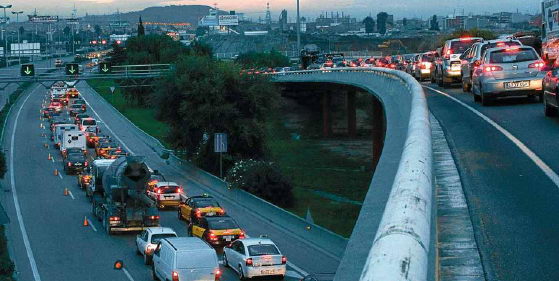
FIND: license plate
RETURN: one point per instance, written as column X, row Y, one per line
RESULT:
column 78, row 164
column 267, row 271
column 517, row 84
column 169, row 196
column 228, row 238
column 209, row 214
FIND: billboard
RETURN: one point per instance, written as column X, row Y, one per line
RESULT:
column 209, row 21
column 25, row 49
column 228, row 20
column 42, row 19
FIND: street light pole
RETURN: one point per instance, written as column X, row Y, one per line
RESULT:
column 5, row 35
column 17, row 13
column 298, row 31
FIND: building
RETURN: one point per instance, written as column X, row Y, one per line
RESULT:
column 283, row 21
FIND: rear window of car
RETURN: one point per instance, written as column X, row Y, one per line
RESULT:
column 263, row 249
column 155, row 238
column 76, row 157
column 220, row 224
column 203, row 203
column 498, row 44
column 168, row 189
column 507, row 56
column 199, row 259
column 427, row 58
column 90, row 122
column 459, row 47
column 76, row 106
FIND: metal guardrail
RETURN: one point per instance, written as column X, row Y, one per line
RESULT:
column 401, row 245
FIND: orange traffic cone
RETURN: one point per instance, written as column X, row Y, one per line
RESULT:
column 66, row 192
column 50, row 158
column 46, row 145
column 55, row 172
column 85, row 222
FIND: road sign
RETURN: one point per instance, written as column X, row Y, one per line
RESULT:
column 220, row 142
column 112, row 90
column 104, row 68
column 72, row 69
column 27, row 70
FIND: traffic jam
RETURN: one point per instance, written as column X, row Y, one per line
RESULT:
column 127, row 195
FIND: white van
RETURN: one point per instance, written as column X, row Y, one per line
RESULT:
column 185, row 259
column 73, row 139
column 88, row 123
column 59, row 129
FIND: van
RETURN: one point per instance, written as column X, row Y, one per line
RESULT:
column 73, row 139
column 59, row 130
column 185, row 259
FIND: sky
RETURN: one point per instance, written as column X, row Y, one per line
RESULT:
column 309, row 8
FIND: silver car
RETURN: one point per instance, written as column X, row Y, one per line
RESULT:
column 506, row 72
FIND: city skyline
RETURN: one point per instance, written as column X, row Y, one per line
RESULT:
column 309, row 8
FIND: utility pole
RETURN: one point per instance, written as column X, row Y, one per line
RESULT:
column 298, row 31
column 5, row 31
column 17, row 13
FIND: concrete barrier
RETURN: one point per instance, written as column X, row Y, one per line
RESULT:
column 392, row 235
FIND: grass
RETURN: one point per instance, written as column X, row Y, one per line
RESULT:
column 142, row 117
column 315, row 172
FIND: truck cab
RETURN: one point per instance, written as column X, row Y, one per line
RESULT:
column 73, row 139
column 59, row 133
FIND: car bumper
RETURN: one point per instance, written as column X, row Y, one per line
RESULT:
column 497, row 87
column 168, row 203
column 265, row 271
column 455, row 74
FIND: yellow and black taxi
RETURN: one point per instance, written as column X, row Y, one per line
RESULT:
column 72, row 93
column 84, row 179
column 217, row 231
column 199, row 206
column 103, row 145
column 115, row 153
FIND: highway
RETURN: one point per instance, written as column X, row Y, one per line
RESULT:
column 47, row 238
column 512, row 202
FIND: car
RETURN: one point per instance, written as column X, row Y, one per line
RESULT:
column 199, row 206
column 56, row 105
column 551, row 90
column 78, row 101
column 72, row 93
column 76, row 109
column 148, row 239
column 102, row 148
column 508, row 72
column 84, row 179
column 55, row 120
column 79, row 116
column 48, row 112
column 114, row 153
column 448, row 68
column 423, row 65
column 165, row 194
column 471, row 59
column 72, row 150
column 185, row 259
column 75, row 163
column 255, row 257
column 155, row 177
column 410, row 67
column 217, row 231
column 88, row 123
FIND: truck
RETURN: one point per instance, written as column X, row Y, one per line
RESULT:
column 550, row 30
column 119, row 199
column 73, row 139
column 59, row 133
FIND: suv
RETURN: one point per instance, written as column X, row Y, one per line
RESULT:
column 471, row 59
column 423, row 66
column 165, row 194
column 448, row 67
column 185, row 259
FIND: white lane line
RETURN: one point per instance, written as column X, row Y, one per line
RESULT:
column 24, row 235
column 71, row 195
column 297, row 269
column 535, row 158
column 91, row 224
column 127, row 274
column 60, row 175
column 107, row 126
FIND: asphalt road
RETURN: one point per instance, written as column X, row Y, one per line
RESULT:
column 47, row 238
column 513, row 203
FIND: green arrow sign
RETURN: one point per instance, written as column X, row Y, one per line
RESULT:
column 27, row 70
column 72, row 69
column 104, row 67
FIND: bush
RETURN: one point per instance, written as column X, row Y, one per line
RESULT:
column 254, row 59
column 262, row 179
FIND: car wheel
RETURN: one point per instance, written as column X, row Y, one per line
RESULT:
column 147, row 260
column 485, row 101
column 225, row 263
column 189, row 230
column 549, row 110
column 242, row 274
column 179, row 212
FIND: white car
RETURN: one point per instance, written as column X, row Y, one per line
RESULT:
column 166, row 194
column 148, row 239
column 253, row 257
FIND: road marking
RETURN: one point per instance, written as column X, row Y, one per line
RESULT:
column 535, row 158
column 297, row 269
column 60, row 175
column 91, row 224
column 71, row 195
column 127, row 274
column 24, row 235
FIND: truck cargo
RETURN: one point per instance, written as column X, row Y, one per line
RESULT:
column 119, row 199
column 550, row 30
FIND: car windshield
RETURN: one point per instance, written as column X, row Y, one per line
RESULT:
column 89, row 122
column 155, row 238
column 200, row 259
column 263, row 249
column 222, row 223
column 204, row 203
column 513, row 56
column 459, row 47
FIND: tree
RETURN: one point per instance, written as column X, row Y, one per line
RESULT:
column 255, row 59
column 118, row 55
column 199, row 48
column 98, row 30
column 141, row 30
column 369, row 23
column 66, row 31
column 434, row 24
column 382, row 17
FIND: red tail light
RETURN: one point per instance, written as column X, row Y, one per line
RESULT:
column 181, row 190
column 283, row 260
column 114, row 218
column 86, row 163
column 175, row 276
column 69, row 164
column 249, row 262
column 242, row 235
column 153, row 217
column 538, row 65
column 217, row 274
column 212, row 236
column 492, row 68
column 158, row 190
column 221, row 212
column 198, row 214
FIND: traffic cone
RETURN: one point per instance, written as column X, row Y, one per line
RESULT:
column 66, row 192
column 85, row 222
column 55, row 172
column 46, row 145
column 50, row 157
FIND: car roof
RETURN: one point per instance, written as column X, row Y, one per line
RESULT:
column 257, row 241
column 187, row 243
column 166, row 183
column 161, row 230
